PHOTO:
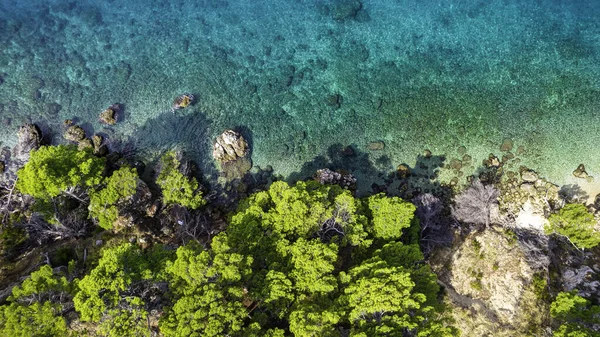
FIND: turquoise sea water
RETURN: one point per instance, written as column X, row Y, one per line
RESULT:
column 302, row 79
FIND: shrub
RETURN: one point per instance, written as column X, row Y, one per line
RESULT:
column 577, row 224
column 176, row 187
column 103, row 203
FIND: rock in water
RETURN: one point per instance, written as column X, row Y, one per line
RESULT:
column 74, row 133
column 580, row 172
column 230, row 150
column 110, row 115
column 230, row 146
column 30, row 138
column 329, row 177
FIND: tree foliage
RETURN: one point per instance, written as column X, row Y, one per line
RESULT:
column 119, row 186
column 51, row 170
column 287, row 260
column 575, row 316
column 35, row 306
column 577, row 224
column 113, row 293
column 176, row 187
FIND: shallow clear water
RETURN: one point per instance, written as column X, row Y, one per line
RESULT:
column 302, row 79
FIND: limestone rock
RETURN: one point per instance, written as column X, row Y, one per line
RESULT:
column 85, row 143
column 110, row 115
column 100, row 149
column 329, row 177
column 491, row 278
column 230, row 146
column 74, row 133
column 529, row 176
column 30, row 138
column 580, row 172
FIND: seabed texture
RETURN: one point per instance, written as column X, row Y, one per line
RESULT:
column 303, row 79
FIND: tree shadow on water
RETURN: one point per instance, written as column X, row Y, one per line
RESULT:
column 379, row 175
column 189, row 133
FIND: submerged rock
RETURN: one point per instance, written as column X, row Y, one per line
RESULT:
column 529, row 176
column 376, row 146
column 230, row 146
column 182, row 101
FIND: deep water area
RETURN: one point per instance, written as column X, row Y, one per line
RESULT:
column 300, row 78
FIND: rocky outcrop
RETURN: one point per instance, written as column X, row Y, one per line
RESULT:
column 29, row 138
column 231, row 151
column 230, row 146
column 581, row 173
column 329, row 177
column 111, row 115
column 100, row 148
column 74, row 134
column 489, row 285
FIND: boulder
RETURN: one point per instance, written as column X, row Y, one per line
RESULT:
column 329, row 177
column 529, row 176
column 100, row 149
column 74, row 133
column 230, row 146
column 110, row 115
column 580, row 172
column 29, row 138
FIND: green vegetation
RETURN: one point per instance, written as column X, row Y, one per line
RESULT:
column 176, row 187
column 577, row 224
column 103, row 203
column 51, row 170
column 34, row 307
column 304, row 258
column 112, row 293
column 575, row 316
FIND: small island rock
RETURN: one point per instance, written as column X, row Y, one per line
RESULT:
column 110, row 115
column 229, row 146
column 74, row 133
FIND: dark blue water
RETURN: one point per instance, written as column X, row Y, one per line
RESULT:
column 302, row 79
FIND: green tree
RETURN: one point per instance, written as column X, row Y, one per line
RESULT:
column 389, row 216
column 35, row 306
column 176, row 187
column 577, row 224
column 287, row 260
column 208, row 293
column 120, row 185
column 575, row 315
column 112, row 293
column 52, row 170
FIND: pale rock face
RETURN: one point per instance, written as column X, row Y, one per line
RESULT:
column 229, row 146
column 489, row 285
column 531, row 217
